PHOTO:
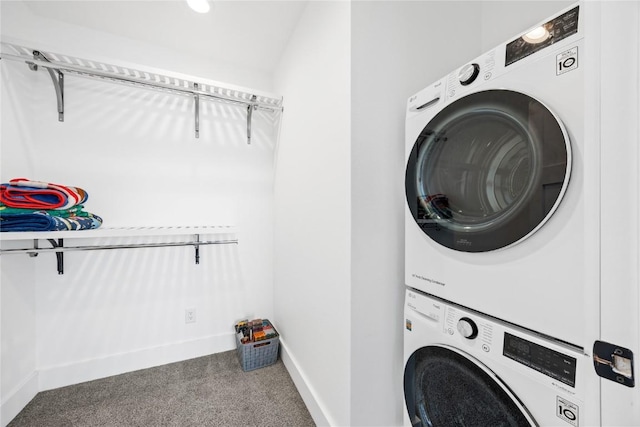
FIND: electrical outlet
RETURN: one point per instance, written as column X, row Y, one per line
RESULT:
column 190, row 315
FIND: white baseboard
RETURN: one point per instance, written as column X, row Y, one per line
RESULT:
column 309, row 396
column 16, row 399
column 92, row 369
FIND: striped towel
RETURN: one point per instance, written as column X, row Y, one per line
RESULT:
column 26, row 194
column 42, row 221
column 77, row 210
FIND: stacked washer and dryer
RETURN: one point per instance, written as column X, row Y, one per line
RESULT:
column 503, row 230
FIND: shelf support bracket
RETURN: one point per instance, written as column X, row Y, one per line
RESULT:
column 59, row 254
column 196, row 99
column 35, row 246
column 197, row 247
column 250, row 109
column 57, row 77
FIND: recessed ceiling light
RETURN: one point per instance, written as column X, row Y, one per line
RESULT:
column 200, row 6
column 537, row 35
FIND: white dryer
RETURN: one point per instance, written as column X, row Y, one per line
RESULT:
column 497, row 211
column 463, row 368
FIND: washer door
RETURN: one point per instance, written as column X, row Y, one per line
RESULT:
column 487, row 171
column 445, row 388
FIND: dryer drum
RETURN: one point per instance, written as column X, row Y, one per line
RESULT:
column 443, row 388
column 487, row 171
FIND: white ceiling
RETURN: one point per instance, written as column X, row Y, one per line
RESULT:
column 247, row 33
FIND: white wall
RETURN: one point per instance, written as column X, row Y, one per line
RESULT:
column 18, row 382
column 135, row 152
column 312, row 205
column 394, row 54
column 75, row 40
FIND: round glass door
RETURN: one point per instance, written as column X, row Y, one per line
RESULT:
column 443, row 388
column 487, row 171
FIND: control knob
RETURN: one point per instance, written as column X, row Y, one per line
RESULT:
column 468, row 74
column 467, row 328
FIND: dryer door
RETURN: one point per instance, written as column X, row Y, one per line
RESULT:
column 487, row 171
column 445, row 388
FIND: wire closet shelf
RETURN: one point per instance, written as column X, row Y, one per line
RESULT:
column 57, row 65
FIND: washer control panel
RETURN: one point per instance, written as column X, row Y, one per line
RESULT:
column 497, row 340
column 475, row 331
column 544, row 360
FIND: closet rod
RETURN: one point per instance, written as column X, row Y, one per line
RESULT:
column 59, row 248
column 37, row 250
column 90, row 72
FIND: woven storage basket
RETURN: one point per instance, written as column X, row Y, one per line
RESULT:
column 258, row 354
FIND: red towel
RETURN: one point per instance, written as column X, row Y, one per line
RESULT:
column 24, row 193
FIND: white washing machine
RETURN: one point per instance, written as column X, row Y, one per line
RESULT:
column 463, row 368
column 498, row 215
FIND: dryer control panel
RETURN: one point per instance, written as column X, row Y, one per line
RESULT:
column 543, row 36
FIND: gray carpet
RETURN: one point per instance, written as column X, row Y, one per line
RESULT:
column 207, row 391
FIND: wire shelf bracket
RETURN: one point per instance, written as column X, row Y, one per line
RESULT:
column 58, row 66
column 57, row 77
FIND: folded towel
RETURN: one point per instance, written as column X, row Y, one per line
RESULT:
column 27, row 194
column 42, row 221
column 31, row 222
column 76, row 210
column 76, row 193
